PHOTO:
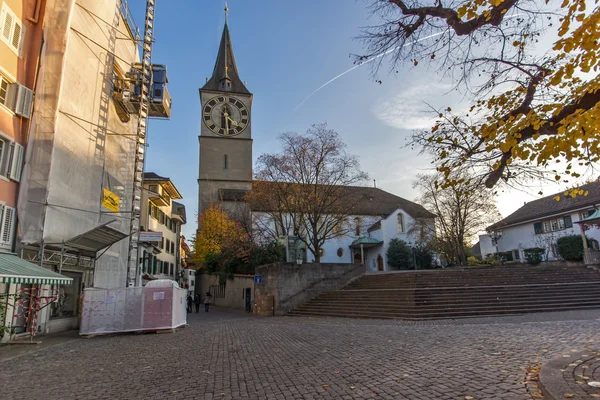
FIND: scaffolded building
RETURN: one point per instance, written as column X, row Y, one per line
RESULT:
column 84, row 158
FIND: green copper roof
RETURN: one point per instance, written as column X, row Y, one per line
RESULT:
column 366, row 240
column 595, row 216
column 16, row 270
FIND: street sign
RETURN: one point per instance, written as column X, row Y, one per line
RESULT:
column 257, row 278
column 150, row 236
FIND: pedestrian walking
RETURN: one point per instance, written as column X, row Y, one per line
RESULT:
column 189, row 303
column 207, row 300
column 197, row 302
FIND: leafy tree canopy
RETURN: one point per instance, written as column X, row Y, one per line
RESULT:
column 530, row 69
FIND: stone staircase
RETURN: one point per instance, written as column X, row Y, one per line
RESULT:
column 460, row 293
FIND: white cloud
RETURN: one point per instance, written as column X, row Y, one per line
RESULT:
column 411, row 109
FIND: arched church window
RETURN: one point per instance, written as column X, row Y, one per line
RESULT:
column 357, row 224
column 225, row 161
column 400, row 223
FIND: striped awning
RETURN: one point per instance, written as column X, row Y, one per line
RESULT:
column 16, row 270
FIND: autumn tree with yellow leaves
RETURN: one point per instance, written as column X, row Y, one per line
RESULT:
column 530, row 69
column 216, row 230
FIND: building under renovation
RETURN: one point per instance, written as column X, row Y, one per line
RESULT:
column 80, row 194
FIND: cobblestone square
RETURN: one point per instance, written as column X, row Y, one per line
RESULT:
column 229, row 355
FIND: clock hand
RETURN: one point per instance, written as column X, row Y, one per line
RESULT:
column 232, row 121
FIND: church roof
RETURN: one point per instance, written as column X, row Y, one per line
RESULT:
column 225, row 68
column 368, row 201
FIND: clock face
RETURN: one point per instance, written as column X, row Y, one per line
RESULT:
column 226, row 116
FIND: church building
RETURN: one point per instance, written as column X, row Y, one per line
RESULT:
column 225, row 173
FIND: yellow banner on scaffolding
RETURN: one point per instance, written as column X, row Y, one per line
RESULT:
column 110, row 200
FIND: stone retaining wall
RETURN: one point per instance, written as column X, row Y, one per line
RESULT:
column 292, row 285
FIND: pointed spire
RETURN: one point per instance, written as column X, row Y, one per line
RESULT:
column 225, row 76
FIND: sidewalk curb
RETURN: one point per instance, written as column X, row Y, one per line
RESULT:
column 551, row 380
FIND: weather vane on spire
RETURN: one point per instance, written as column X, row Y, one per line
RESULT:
column 226, row 12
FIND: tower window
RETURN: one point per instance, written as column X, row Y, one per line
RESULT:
column 225, row 161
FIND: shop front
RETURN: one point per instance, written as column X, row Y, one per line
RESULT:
column 26, row 291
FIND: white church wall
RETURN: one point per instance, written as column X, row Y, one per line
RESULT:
column 331, row 246
column 389, row 229
column 264, row 226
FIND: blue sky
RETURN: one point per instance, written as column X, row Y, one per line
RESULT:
column 285, row 50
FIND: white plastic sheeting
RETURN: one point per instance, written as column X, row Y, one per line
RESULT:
column 159, row 305
column 78, row 145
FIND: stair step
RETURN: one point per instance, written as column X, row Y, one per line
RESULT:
column 445, row 295
column 460, row 293
column 441, row 315
column 455, row 304
column 457, row 301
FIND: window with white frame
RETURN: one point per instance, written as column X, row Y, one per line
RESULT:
column 4, row 86
column 12, row 31
column 11, row 158
column 16, row 97
column 7, row 92
column 553, row 225
column 7, row 226
column 400, row 223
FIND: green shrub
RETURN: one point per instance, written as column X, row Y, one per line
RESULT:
column 473, row 261
column 534, row 255
column 570, row 248
column 267, row 254
column 491, row 259
column 400, row 255
column 423, row 257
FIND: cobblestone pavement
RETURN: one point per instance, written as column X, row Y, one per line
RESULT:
column 226, row 355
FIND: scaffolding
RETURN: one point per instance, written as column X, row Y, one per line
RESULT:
column 85, row 158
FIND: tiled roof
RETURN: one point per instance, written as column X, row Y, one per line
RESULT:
column 370, row 201
column 548, row 206
column 166, row 183
column 375, row 226
column 151, row 176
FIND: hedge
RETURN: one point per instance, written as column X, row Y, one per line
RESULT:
column 570, row 248
column 534, row 255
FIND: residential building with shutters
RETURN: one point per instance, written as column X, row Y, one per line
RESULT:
column 20, row 40
column 161, row 213
column 541, row 223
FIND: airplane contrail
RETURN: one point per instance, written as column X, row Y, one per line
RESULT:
column 363, row 63
column 372, row 59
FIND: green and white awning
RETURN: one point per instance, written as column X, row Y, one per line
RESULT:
column 16, row 270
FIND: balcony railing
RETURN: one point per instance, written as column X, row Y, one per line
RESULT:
column 128, row 17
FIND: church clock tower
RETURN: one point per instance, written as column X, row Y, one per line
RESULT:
column 225, row 171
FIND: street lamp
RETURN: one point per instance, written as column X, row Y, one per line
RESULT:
column 495, row 236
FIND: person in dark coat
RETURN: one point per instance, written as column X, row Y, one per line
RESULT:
column 189, row 303
column 197, row 302
column 207, row 300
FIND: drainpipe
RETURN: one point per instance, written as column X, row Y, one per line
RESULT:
column 36, row 13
